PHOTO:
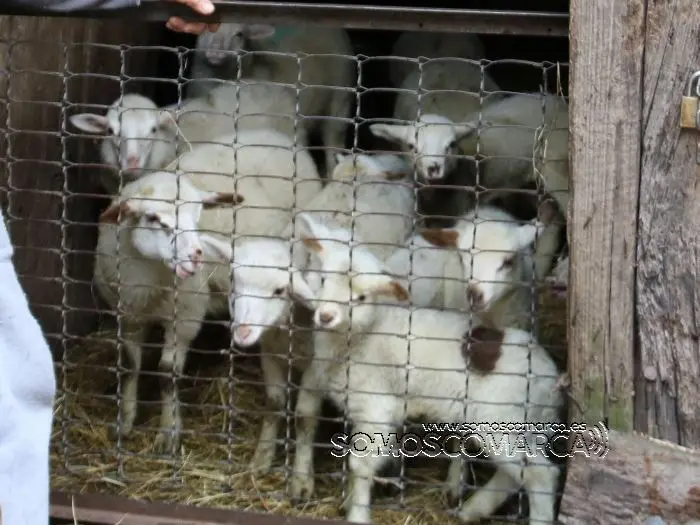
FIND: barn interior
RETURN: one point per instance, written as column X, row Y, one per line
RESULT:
column 221, row 389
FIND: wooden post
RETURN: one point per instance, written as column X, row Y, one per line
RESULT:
column 667, row 384
column 606, row 58
column 48, row 226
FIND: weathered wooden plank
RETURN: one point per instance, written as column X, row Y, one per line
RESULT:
column 606, row 58
column 43, row 78
column 639, row 477
column 668, row 298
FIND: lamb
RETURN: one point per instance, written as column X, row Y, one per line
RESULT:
column 270, row 54
column 508, row 132
column 449, row 91
column 377, row 390
column 499, row 274
column 262, row 294
column 261, row 158
column 152, row 137
column 149, row 264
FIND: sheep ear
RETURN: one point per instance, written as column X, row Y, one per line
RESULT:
column 218, row 249
column 166, row 119
column 527, row 233
column 464, row 130
column 340, row 157
column 301, row 291
column 112, row 213
column 259, row 31
column 309, row 232
column 91, row 123
column 396, row 133
column 444, row 238
column 212, row 199
column 394, row 289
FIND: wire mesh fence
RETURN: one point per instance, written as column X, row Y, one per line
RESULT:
column 375, row 228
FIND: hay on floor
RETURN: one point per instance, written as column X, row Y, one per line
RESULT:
column 212, row 470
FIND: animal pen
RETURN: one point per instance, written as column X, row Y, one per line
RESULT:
column 626, row 329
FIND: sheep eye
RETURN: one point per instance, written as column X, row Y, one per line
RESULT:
column 152, row 218
column 323, row 281
column 278, row 291
column 361, row 298
column 509, row 262
column 110, row 130
column 154, row 129
column 411, row 147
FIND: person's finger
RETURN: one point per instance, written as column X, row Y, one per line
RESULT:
column 176, row 23
column 204, row 7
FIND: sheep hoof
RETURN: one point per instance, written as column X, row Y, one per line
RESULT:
column 166, row 441
column 453, row 497
column 302, row 488
column 261, row 463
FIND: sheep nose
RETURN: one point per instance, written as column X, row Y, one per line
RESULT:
column 132, row 162
column 434, row 170
column 243, row 331
column 326, row 317
column 196, row 257
column 475, row 295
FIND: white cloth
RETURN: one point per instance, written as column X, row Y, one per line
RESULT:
column 27, row 389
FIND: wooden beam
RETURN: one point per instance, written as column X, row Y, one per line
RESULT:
column 110, row 510
column 606, row 59
column 668, row 298
column 639, row 477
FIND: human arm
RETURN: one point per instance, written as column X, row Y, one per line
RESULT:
column 175, row 23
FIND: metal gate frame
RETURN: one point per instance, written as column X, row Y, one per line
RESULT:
column 110, row 510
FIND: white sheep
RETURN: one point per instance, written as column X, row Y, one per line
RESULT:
column 441, row 91
column 268, row 272
column 262, row 158
column 261, row 289
column 498, row 267
column 320, row 59
column 149, row 266
column 414, row 44
column 139, row 136
column 361, row 355
column 509, row 131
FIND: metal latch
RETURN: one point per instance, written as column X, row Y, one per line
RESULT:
column 690, row 105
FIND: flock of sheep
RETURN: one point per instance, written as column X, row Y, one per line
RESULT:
column 343, row 255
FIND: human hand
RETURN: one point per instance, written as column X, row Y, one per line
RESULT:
column 203, row 7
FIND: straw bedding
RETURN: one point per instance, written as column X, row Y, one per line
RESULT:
column 212, row 469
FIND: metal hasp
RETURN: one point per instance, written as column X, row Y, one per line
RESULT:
column 690, row 106
column 690, row 111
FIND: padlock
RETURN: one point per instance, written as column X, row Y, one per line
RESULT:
column 690, row 104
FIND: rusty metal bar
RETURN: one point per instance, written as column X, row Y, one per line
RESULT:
column 533, row 23
column 108, row 510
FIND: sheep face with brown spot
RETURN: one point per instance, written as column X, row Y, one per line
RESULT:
column 353, row 280
column 160, row 212
column 491, row 253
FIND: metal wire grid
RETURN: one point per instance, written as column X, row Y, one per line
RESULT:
column 92, row 458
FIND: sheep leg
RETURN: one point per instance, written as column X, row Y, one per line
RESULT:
column 540, row 480
column 134, row 336
column 333, row 130
column 484, row 502
column 178, row 337
column 363, row 468
column 545, row 250
column 307, row 410
column 454, row 480
column 274, row 377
